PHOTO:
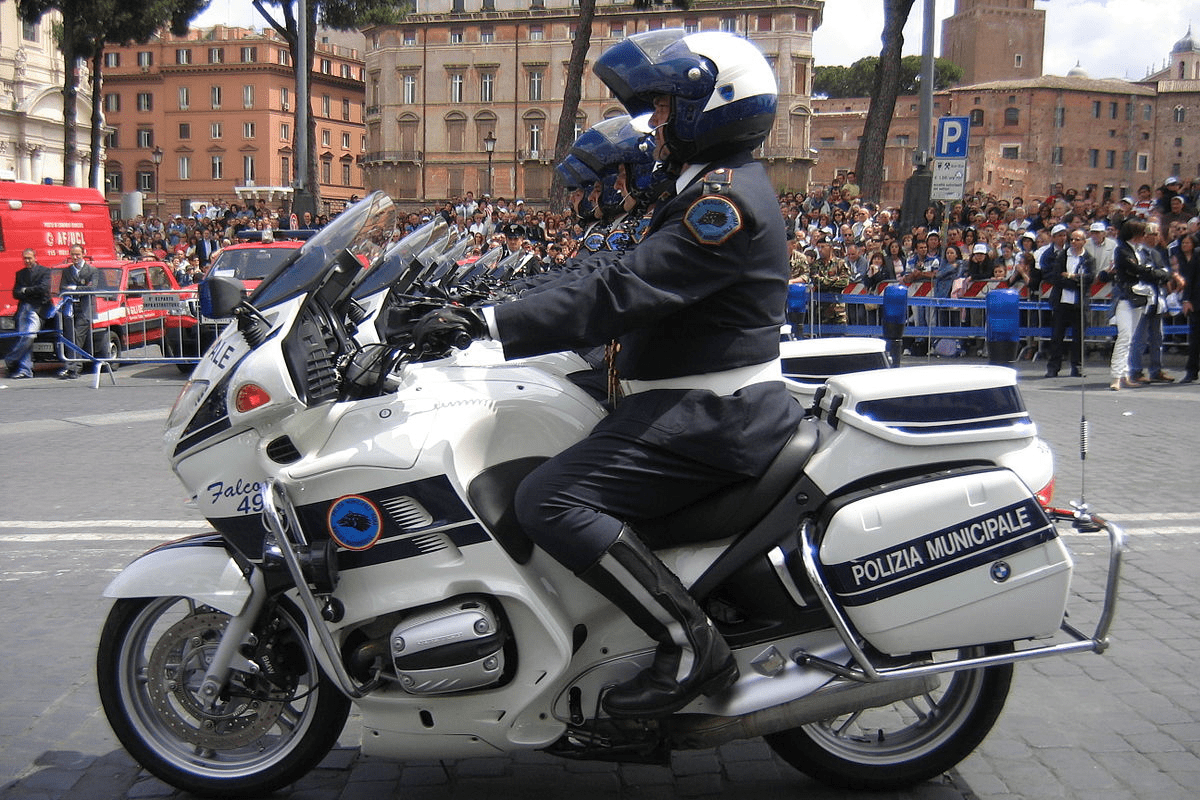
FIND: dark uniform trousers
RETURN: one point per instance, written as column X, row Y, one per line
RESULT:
column 704, row 292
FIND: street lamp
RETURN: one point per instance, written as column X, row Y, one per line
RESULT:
column 489, row 144
column 157, row 155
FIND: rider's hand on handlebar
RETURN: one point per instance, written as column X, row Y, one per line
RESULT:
column 453, row 326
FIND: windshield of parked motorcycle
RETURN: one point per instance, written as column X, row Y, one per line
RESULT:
column 363, row 229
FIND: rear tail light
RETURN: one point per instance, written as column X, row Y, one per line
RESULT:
column 1045, row 495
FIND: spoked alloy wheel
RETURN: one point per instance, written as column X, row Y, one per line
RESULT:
column 898, row 745
column 265, row 731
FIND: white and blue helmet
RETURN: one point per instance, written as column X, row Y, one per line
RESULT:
column 723, row 91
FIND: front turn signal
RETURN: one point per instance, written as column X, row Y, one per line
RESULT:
column 249, row 397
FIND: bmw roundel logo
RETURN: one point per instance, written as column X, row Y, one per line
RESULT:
column 354, row 522
column 1001, row 571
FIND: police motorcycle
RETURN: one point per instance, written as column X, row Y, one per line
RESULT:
column 365, row 556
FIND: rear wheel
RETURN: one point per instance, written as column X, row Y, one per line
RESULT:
column 269, row 727
column 898, row 745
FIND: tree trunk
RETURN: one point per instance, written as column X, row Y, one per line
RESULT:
column 70, row 92
column 94, row 165
column 571, row 96
column 869, row 167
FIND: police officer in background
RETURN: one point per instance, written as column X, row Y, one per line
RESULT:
column 696, row 309
column 78, row 276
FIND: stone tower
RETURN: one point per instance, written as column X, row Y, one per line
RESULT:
column 995, row 39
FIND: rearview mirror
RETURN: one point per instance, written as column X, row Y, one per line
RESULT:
column 220, row 295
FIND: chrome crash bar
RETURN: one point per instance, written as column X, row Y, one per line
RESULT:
column 863, row 669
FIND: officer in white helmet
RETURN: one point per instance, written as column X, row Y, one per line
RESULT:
column 695, row 311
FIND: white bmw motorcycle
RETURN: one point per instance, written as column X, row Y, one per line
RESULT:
column 876, row 585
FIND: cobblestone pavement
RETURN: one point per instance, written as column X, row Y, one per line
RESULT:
column 1122, row 725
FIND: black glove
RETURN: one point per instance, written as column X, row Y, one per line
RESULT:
column 453, row 326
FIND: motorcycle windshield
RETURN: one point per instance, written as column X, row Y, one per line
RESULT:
column 362, row 229
column 399, row 257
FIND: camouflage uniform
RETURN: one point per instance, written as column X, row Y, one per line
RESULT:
column 831, row 277
column 798, row 268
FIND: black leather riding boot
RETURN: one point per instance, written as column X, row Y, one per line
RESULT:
column 692, row 657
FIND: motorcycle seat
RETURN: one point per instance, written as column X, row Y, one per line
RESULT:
column 737, row 508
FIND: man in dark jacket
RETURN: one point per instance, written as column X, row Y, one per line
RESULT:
column 1070, row 275
column 79, row 275
column 32, row 291
column 695, row 310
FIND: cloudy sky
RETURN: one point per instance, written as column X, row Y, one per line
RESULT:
column 1109, row 38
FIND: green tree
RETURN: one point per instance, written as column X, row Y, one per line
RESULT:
column 884, row 90
column 336, row 14
column 858, row 79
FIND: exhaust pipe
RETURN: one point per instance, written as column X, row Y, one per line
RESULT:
column 702, row 731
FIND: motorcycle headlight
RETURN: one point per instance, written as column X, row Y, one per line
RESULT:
column 187, row 402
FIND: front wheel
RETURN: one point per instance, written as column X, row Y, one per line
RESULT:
column 902, row 744
column 266, row 730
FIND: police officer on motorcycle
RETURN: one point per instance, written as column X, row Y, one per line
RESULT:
column 696, row 309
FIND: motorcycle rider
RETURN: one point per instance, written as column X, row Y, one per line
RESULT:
column 696, row 309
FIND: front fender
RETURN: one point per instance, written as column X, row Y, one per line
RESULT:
column 199, row 567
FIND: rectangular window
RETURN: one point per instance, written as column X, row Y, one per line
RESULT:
column 185, row 130
column 249, row 55
column 1112, row 110
column 216, row 55
column 285, row 57
column 346, row 71
column 248, row 130
column 112, row 60
column 145, row 58
column 1110, row 159
column 248, row 168
column 408, row 94
column 410, row 37
column 729, row 24
column 346, row 109
column 325, row 137
column 1018, row 60
column 1011, row 152
column 183, row 56
column 326, row 168
column 1143, row 162
column 185, row 168
column 1147, row 112
column 285, row 131
column 248, row 96
column 765, row 22
column 214, row 97
column 535, row 33
column 902, row 140
column 456, row 87
column 285, row 99
column 326, row 105
column 691, row 26
column 285, row 169
column 487, row 35
column 145, row 181
column 535, row 139
column 216, row 130
column 29, row 31
column 616, row 30
column 487, row 87
column 1060, row 116
column 112, row 182
column 345, row 141
column 345, row 175
column 145, row 101
column 110, row 139
column 218, row 168
column 535, row 84
column 145, row 138
column 1056, row 155
column 1093, row 158
column 1096, row 109
column 326, row 66
column 456, row 36
column 112, row 102
column 185, row 98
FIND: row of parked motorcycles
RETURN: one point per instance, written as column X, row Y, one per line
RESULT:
column 876, row 585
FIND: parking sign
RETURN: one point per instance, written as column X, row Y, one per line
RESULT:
column 952, row 134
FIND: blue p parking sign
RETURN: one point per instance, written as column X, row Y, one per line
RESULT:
column 952, row 135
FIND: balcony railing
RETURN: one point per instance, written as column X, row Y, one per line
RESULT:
column 393, row 157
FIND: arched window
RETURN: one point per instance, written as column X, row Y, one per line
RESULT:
column 1012, row 116
column 976, row 117
column 1179, row 113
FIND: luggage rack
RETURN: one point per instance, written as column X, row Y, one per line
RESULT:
column 863, row 669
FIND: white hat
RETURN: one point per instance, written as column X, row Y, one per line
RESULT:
column 980, row 248
column 1098, row 226
column 1029, row 235
column 1057, row 229
column 1127, row 200
column 1170, row 180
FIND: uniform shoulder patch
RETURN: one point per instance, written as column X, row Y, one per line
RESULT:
column 713, row 219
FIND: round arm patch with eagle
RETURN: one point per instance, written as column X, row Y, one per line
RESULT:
column 713, row 219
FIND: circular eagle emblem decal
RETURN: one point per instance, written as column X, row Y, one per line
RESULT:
column 713, row 219
column 354, row 522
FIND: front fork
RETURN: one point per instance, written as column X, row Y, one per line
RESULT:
column 228, row 656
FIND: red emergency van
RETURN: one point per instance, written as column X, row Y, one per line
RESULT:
column 51, row 219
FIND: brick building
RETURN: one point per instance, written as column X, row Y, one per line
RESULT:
column 219, row 105
column 995, row 39
column 458, row 71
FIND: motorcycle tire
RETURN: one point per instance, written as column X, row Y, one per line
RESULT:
column 264, row 732
column 899, row 745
